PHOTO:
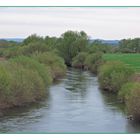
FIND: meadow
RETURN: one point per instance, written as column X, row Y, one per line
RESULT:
column 132, row 60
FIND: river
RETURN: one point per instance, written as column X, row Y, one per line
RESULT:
column 73, row 105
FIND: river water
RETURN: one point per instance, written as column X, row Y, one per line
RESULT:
column 73, row 105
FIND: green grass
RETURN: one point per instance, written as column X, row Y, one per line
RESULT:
column 132, row 60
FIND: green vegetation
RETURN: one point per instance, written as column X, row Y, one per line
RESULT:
column 28, row 68
column 79, row 60
column 131, row 60
column 130, row 45
column 112, row 75
column 88, row 61
column 30, row 63
column 98, row 46
column 93, row 61
column 70, row 44
column 25, row 79
column 55, row 63
column 19, row 85
column 130, row 93
column 126, row 90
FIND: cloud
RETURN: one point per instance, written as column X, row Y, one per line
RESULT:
column 107, row 23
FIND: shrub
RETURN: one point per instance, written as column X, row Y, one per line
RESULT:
column 56, row 63
column 126, row 90
column 34, row 47
column 4, row 81
column 19, row 85
column 29, row 49
column 112, row 75
column 12, row 52
column 29, row 63
column 79, row 60
column 93, row 61
column 131, row 94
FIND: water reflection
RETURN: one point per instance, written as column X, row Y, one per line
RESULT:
column 112, row 101
column 76, row 83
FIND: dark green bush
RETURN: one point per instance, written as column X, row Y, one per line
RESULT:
column 130, row 92
column 93, row 61
column 112, row 75
column 79, row 60
column 56, row 63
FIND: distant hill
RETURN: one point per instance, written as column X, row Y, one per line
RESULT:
column 13, row 39
column 110, row 42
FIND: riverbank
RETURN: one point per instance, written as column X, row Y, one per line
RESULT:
column 115, row 77
column 74, row 101
column 25, row 80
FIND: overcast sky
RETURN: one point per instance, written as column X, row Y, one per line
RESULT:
column 105, row 23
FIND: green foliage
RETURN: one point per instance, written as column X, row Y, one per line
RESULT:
column 130, row 45
column 70, row 44
column 112, row 75
column 130, row 92
column 55, row 62
column 4, row 80
column 98, row 46
column 19, row 85
column 29, row 63
column 126, row 90
column 51, row 42
column 12, row 52
column 79, row 60
column 31, row 48
column 34, row 47
column 93, row 61
column 32, row 39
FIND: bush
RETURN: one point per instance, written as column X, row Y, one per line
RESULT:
column 29, row 49
column 126, row 90
column 56, row 63
column 12, row 52
column 19, row 85
column 130, row 92
column 34, row 47
column 29, row 63
column 93, row 61
column 79, row 60
column 4, row 81
column 112, row 75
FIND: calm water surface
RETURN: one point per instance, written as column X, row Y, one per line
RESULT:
column 73, row 105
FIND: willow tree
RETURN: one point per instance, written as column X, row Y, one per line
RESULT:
column 70, row 44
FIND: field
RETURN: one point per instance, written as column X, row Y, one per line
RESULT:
column 132, row 60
